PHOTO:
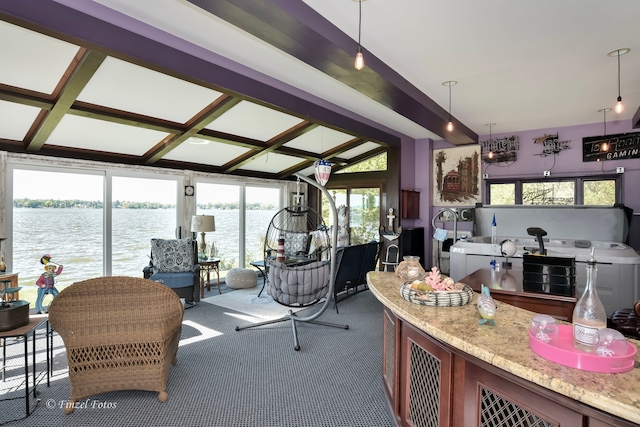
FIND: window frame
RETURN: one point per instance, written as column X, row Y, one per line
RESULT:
column 577, row 180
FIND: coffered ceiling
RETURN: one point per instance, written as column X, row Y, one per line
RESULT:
column 265, row 87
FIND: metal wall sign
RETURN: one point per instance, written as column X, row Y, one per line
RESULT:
column 551, row 144
column 503, row 150
column 611, row 147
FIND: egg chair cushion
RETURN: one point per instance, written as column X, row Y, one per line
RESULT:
column 299, row 285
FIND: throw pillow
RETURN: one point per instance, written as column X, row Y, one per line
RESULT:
column 172, row 256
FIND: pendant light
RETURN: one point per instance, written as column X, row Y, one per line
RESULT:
column 450, row 83
column 490, row 153
column 605, row 146
column 618, row 53
column 359, row 63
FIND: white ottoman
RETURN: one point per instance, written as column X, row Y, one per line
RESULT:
column 241, row 278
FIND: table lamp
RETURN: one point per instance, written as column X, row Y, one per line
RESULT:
column 201, row 224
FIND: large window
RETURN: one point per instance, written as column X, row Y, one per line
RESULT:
column 60, row 214
column 364, row 213
column 599, row 192
column 567, row 191
column 60, row 211
column 261, row 206
column 549, row 193
column 241, row 222
column 142, row 209
column 223, row 202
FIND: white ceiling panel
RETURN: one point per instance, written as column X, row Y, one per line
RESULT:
column 31, row 60
column 319, row 140
column 271, row 163
column 212, row 153
column 128, row 87
column 254, row 121
column 91, row 134
column 308, row 171
column 360, row 149
column 16, row 119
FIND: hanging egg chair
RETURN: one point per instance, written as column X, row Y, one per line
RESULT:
column 297, row 257
column 300, row 261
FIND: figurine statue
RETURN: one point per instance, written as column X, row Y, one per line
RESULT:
column 46, row 281
column 486, row 307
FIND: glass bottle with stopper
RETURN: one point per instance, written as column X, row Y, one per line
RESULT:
column 589, row 315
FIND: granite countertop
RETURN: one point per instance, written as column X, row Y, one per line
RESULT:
column 506, row 346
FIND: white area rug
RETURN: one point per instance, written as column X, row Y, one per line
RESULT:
column 247, row 301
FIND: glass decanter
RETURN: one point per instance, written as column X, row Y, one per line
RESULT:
column 589, row 315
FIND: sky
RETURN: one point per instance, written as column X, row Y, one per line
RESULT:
column 64, row 186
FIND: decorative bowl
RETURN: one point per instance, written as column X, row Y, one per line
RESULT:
column 436, row 298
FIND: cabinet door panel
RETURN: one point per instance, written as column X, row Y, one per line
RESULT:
column 390, row 364
column 501, row 402
column 425, row 383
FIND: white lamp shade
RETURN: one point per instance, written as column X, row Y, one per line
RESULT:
column 203, row 223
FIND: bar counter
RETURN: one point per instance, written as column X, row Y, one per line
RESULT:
column 506, row 347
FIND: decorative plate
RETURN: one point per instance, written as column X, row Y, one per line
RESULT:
column 436, row 298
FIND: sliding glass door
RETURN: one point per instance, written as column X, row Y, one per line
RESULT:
column 262, row 204
column 142, row 209
column 223, row 202
column 60, row 214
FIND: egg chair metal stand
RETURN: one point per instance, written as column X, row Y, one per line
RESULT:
column 311, row 298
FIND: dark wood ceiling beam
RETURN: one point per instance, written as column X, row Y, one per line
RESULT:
column 290, row 134
column 295, row 152
column 284, row 174
column 153, row 50
column 112, row 115
column 227, row 138
column 26, row 97
column 241, row 160
column 208, row 114
column 336, row 151
column 89, row 110
column 361, row 158
column 295, row 28
column 271, row 145
column 84, row 67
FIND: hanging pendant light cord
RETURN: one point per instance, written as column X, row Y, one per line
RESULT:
column 449, row 102
column 619, row 97
column 360, row 29
column 604, row 124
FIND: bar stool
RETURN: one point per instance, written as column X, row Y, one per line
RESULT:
column 392, row 258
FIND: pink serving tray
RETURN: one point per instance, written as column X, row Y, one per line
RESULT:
column 566, row 354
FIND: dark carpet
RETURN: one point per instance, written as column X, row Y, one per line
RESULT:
column 246, row 378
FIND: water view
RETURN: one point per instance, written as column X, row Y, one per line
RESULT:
column 74, row 238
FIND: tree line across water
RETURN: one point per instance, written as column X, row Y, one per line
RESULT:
column 96, row 204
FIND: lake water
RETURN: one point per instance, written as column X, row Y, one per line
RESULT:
column 74, row 238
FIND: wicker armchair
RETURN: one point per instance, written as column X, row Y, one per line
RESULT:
column 120, row 333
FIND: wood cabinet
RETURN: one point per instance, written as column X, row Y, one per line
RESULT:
column 410, row 204
column 390, row 365
column 433, row 384
column 425, row 380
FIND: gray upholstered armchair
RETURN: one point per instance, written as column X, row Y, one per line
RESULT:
column 174, row 262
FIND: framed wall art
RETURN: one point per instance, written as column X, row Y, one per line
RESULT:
column 456, row 180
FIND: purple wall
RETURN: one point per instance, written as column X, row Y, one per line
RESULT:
column 568, row 163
